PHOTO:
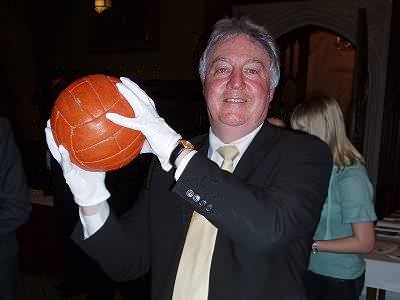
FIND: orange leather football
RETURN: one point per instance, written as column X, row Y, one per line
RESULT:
column 79, row 123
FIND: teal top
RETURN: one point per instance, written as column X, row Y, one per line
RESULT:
column 350, row 200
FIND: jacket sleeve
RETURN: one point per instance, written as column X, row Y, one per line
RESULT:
column 15, row 204
column 122, row 245
column 265, row 209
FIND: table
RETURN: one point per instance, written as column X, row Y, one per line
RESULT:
column 383, row 266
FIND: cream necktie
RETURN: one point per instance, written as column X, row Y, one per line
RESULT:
column 192, row 278
column 229, row 153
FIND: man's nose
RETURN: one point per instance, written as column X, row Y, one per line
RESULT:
column 236, row 80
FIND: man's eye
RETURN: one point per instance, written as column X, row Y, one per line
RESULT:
column 221, row 70
column 252, row 71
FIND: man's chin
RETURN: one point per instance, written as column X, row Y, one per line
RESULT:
column 232, row 121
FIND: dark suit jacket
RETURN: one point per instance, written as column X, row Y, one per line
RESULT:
column 15, row 205
column 266, row 213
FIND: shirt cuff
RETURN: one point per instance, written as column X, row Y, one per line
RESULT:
column 183, row 164
column 94, row 222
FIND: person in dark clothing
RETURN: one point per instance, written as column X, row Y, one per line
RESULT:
column 15, row 208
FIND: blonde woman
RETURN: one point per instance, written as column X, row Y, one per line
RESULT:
column 345, row 231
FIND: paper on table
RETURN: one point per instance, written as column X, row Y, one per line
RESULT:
column 395, row 254
column 387, row 232
column 385, row 247
column 392, row 219
column 389, row 224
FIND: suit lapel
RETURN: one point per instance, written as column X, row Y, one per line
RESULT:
column 261, row 145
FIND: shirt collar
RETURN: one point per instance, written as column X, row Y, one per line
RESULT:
column 241, row 143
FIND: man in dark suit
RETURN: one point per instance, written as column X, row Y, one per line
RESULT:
column 15, row 208
column 230, row 215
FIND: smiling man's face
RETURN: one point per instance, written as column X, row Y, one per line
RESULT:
column 236, row 87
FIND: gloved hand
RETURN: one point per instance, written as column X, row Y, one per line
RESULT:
column 87, row 187
column 161, row 139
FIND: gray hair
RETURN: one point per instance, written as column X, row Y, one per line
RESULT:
column 229, row 27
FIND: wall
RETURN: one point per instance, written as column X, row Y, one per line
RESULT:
column 48, row 39
column 181, row 27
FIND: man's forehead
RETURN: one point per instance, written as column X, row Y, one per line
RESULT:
column 229, row 46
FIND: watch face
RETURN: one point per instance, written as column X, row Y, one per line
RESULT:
column 186, row 144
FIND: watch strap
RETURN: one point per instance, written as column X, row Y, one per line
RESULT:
column 175, row 153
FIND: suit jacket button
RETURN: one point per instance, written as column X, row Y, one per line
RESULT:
column 189, row 193
column 196, row 198
column 209, row 207
column 202, row 202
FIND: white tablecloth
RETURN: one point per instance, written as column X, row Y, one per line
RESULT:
column 383, row 265
column 382, row 274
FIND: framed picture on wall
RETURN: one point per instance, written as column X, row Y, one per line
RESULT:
column 124, row 25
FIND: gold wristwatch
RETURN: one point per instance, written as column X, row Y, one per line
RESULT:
column 182, row 145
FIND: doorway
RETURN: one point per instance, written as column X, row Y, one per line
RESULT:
column 315, row 61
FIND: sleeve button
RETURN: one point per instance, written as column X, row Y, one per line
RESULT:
column 196, row 198
column 202, row 202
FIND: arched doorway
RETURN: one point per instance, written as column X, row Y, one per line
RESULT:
column 315, row 61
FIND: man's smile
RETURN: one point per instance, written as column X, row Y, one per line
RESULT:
column 235, row 100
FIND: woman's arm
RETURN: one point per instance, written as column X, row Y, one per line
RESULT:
column 362, row 240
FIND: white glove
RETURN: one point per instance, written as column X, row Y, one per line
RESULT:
column 160, row 138
column 87, row 187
